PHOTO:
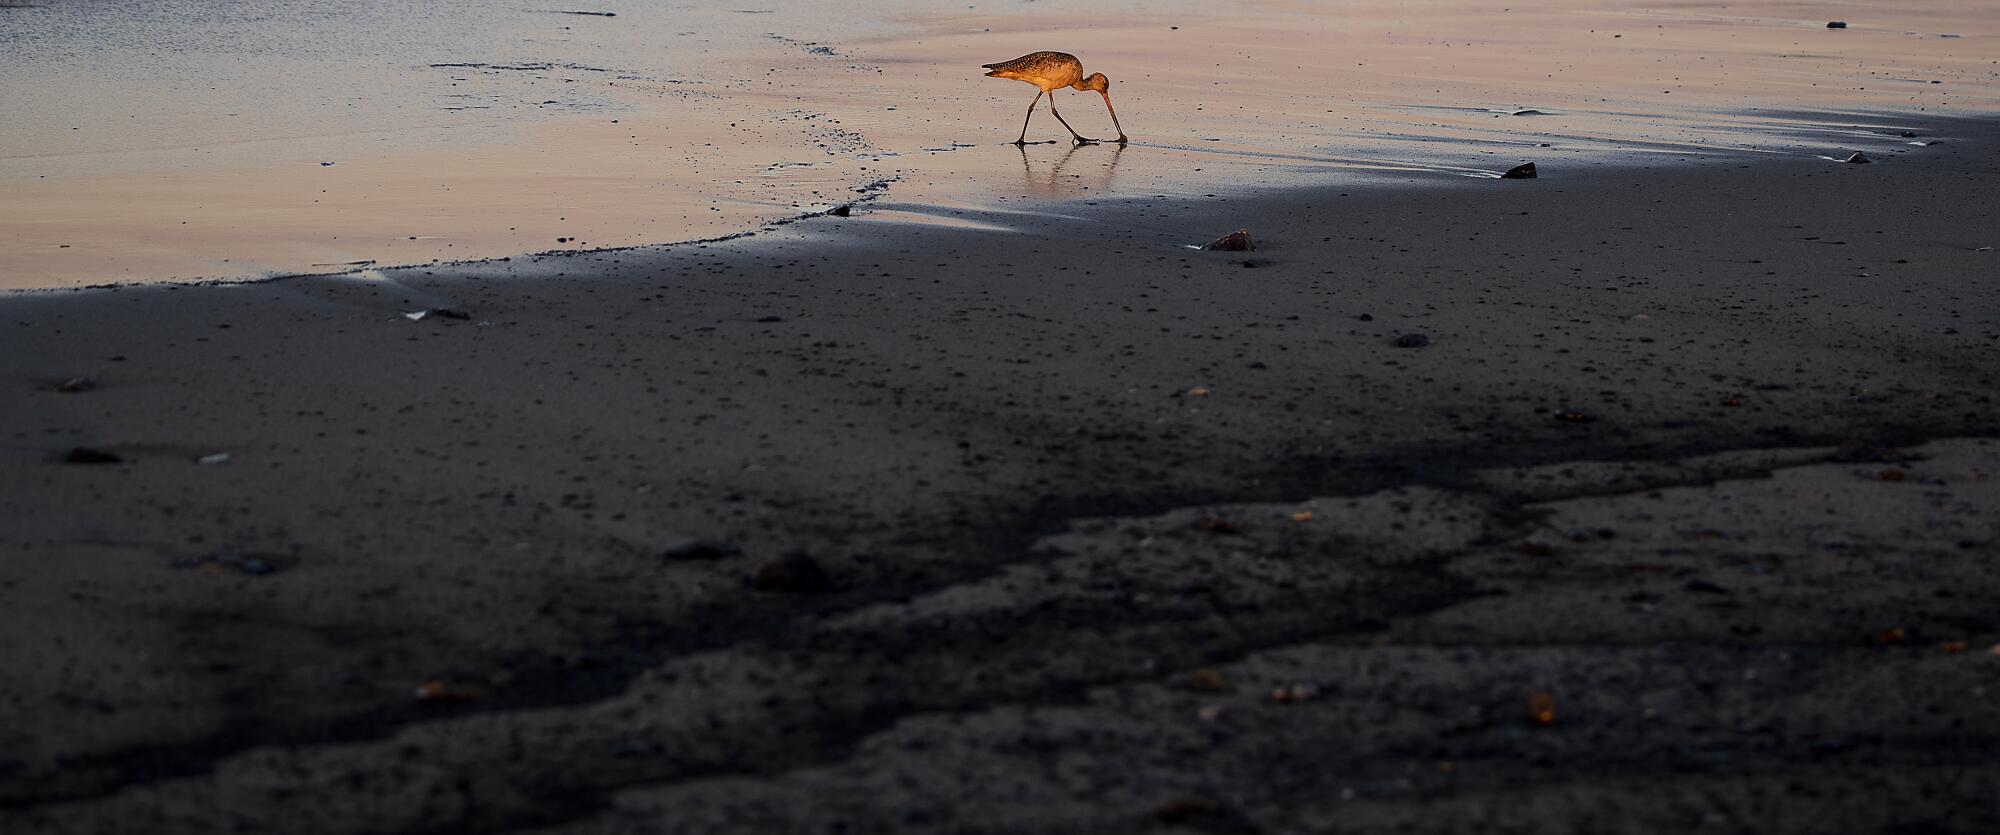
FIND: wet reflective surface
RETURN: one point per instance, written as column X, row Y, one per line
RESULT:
column 183, row 140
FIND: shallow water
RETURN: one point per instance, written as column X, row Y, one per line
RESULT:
column 183, row 140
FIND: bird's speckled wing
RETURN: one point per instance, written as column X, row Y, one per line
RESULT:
column 1035, row 63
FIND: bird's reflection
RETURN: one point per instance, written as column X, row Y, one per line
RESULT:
column 1068, row 175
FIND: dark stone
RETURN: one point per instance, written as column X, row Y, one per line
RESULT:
column 1836, row 24
column 76, row 384
column 1237, row 241
column 1203, row 814
column 1858, row 158
column 438, row 313
column 254, row 566
column 771, row 320
column 242, row 563
column 86, row 455
column 1215, row 524
column 842, row 211
column 1575, row 416
column 1411, row 340
column 1860, row 451
column 1524, row 171
column 1705, row 587
column 794, row 573
column 1254, row 263
column 702, row 549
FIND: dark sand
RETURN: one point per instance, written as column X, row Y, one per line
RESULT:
column 1063, row 583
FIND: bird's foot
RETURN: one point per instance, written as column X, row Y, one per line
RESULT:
column 1121, row 139
column 1082, row 140
column 1019, row 143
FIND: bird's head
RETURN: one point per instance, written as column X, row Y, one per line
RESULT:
column 1096, row 81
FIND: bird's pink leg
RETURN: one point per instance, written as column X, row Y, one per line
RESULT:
column 1114, row 118
column 1078, row 138
column 1031, row 114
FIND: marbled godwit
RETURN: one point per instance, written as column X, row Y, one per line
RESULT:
column 1047, row 71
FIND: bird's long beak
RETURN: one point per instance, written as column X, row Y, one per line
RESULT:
column 1114, row 117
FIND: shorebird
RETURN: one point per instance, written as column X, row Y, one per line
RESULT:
column 1048, row 71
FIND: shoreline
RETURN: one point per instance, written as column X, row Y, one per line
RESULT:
column 686, row 123
column 1031, row 525
column 1880, row 138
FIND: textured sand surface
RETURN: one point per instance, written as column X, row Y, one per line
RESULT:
column 1705, row 454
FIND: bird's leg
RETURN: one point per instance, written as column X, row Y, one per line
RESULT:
column 1114, row 118
column 1078, row 138
column 1023, row 141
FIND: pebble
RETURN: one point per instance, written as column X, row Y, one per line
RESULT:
column 437, row 312
column 794, row 573
column 1237, row 241
column 1412, row 340
column 76, row 384
column 86, row 455
column 1293, row 694
column 1214, row 524
column 1190, row 810
column 253, row 566
column 1858, row 158
column 1542, row 709
column 440, row 692
column 701, row 549
column 1207, row 681
column 1524, row 171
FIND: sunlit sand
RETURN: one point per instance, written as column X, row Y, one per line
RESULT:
column 212, row 154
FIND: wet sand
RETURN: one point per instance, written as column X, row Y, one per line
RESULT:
column 185, row 139
column 1683, row 518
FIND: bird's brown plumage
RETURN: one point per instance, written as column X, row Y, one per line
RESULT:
column 1049, row 70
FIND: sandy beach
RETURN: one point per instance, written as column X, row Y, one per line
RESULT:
column 1660, row 492
column 1703, row 453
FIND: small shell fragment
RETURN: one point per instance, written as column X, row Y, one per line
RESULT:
column 1542, row 709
